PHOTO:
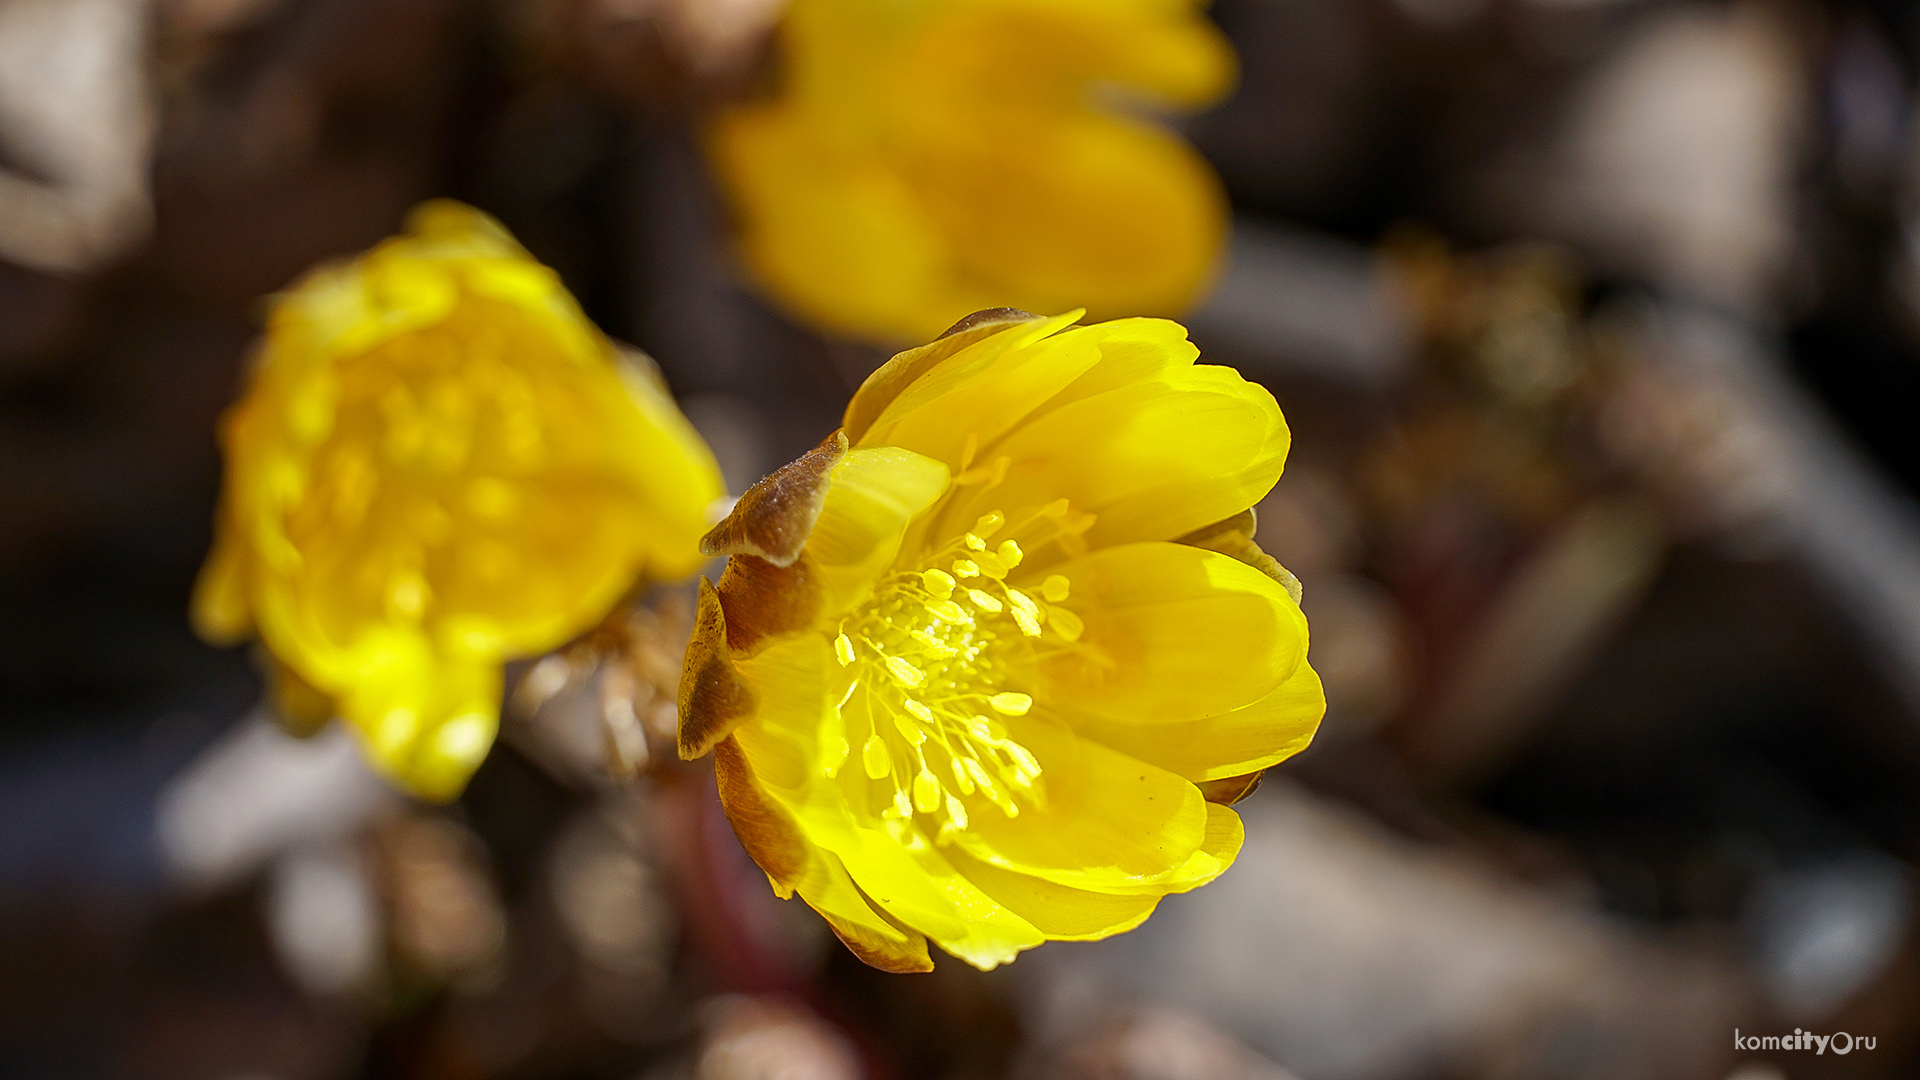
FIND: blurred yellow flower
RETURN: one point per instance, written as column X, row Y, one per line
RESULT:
column 439, row 464
column 975, row 657
column 925, row 158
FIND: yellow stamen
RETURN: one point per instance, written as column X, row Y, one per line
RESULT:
column 937, row 639
column 1016, row 777
column 983, row 781
column 938, row 649
column 833, row 754
column 874, row 757
column 949, row 612
column 1024, row 758
column 907, row 728
column 938, row 582
column 905, row 672
column 1029, row 625
column 1011, row 703
column 926, row 791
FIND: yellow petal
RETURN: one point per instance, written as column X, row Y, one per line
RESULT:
column 970, row 401
column 1234, row 537
column 1171, row 633
column 1061, row 912
column 920, row 161
column 770, row 836
column 923, row 890
column 791, row 681
column 220, row 610
column 875, row 939
column 919, row 889
column 879, row 389
column 426, row 726
column 1055, row 229
column 1225, row 835
column 1153, row 460
column 1109, row 823
column 841, row 241
column 451, row 749
column 1157, row 50
column 872, row 496
column 1131, row 351
column 302, row 708
column 981, row 392
column 1233, row 743
column 667, row 466
column 440, row 465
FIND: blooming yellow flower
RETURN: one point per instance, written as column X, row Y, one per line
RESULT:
column 439, row 464
column 975, row 656
column 925, row 158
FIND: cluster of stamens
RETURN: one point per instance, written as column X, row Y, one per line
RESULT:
column 931, row 656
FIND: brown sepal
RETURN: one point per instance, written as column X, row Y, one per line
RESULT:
column 713, row 696
column 1234, row 538
column 897, row 374
column 993, row 316
column 773, row 519
column 763, row 599
column 898, row 959
column 768, row 834
column 1231, row 789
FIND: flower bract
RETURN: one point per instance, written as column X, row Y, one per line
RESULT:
column 439, row 464
column 924, row 158
column 985, row 665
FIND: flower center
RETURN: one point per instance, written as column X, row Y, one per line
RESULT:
column 937, row 659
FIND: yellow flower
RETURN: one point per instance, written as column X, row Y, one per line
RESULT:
column 975, row 657
column 925, row 158
column 439, row 464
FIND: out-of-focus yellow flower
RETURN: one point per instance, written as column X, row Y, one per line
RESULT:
column 975, row 657
column 926, row 158
column 439, row 464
